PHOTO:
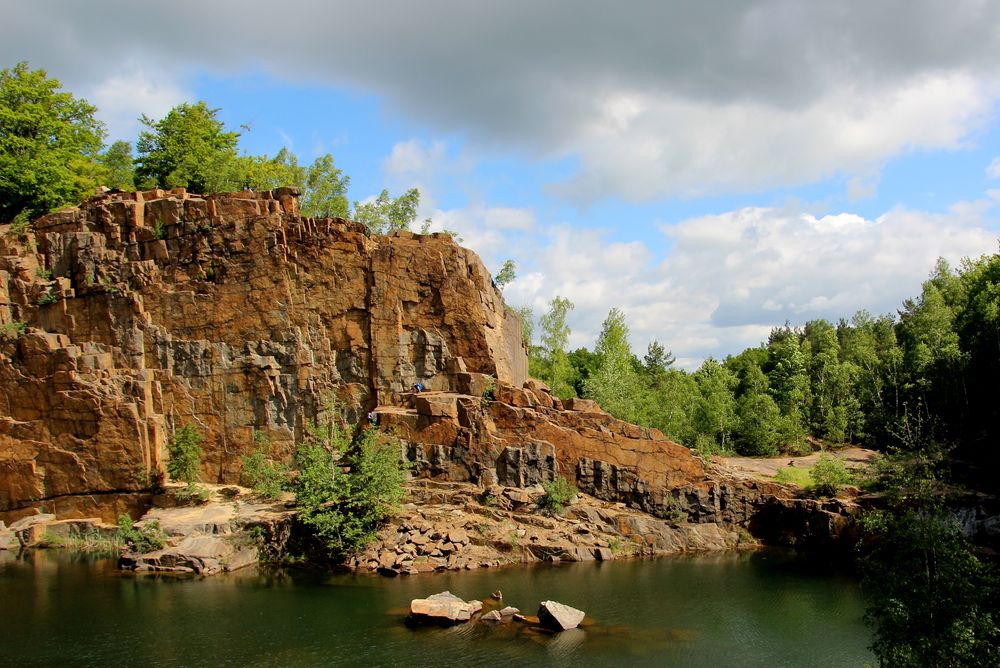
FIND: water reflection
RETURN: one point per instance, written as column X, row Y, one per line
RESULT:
column 732, row 609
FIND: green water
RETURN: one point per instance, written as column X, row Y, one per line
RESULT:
column 760, row 609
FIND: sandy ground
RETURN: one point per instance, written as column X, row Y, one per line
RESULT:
column 854, row 458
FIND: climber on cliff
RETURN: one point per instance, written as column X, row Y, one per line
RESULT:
column 418, row 388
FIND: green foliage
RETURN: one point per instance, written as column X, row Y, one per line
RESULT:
column 43, row 274
column 344, row 510
column 20, row 225
column 147, row 539
column 326, row 190
column 552, row 365
column 14, row 329
column 558, row 494
column 259, row 172
column 185, row 454
column 507, row 273
column 828, row 475
column 49, row 143
column 931, row 601
column 265, row 476
column 527, row 317
column 48, row 298
column 119, row 166
column 795, row 475
column 615, row 383
column 385, row 214
column 192, row 493
column 188, row 147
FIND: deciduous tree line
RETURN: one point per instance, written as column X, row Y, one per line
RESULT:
column 53, row 154
column 927, row 373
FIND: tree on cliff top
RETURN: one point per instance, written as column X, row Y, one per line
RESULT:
column 49, row 143
column 385, row 214
column 326, row 190
column 188, row 147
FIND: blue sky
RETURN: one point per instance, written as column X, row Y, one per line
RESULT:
column 713, row 170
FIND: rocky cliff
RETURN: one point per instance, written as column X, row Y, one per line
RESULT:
column 136, row 313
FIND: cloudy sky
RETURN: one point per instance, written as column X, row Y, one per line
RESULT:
column 713, row 169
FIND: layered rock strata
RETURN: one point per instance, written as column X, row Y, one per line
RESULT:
column 137, row 313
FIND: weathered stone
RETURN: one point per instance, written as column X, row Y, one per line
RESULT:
column 492, row 616
column 443, row 608
column 558, row 616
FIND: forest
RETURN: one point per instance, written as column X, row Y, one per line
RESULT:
column 924, row 376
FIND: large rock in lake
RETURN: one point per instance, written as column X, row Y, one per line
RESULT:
column 443, row 608
column 559, row 617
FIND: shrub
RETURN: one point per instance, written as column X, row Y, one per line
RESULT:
column 147, row 539
column 185, row 454
column 48, row 298
column 192, row 493
column 21, row 224
column 13, row 330
column 266, row 477
column 345, row 510
column 829, row 475
column 558, row 494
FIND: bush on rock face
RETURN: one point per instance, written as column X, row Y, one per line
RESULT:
column 829, row 475
column 344, row 510
column 558, row 494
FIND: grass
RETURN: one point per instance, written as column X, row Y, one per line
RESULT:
column 89, row 541
column 795, row 475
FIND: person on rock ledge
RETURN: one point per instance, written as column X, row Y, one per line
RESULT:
column 418, row 388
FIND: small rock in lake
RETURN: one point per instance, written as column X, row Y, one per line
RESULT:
column 498, row 595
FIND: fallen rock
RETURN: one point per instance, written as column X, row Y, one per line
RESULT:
column 443, row 608
column 509, row 611
column 492, row 616
column 201, row 555
column 558, row 616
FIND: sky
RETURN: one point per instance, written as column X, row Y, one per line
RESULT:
column 713, row 169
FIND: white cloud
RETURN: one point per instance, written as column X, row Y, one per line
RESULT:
column 993, row 170
column 729, row 278
column 672, row 146
column 655, row 99
column 508, row 218
column 124, row 96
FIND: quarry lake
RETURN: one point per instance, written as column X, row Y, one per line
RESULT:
column 756, row 609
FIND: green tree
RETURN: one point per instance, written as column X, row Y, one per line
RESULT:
column 326, row 190
column 184, row 448
column 931, row 602
column 758, row 418
column 554, row 365
column 615, row 385
column 259, row 172
column 715, row 411
column 119, row 166
column 49, row 144
column 188, row 147
column 385, row 214
column 507, row 273
column 345, row 510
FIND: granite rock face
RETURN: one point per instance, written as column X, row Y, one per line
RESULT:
column 137, row 313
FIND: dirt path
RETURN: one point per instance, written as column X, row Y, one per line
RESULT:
column 756, row 467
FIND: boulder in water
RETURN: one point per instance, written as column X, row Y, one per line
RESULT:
column 559, row 617
column 443, row 608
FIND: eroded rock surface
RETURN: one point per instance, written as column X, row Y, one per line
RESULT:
column 137, row 313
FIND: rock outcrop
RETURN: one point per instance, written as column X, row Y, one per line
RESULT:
column 137, row 313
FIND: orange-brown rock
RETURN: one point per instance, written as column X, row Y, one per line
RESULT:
column 137, row 313
column 145, row 311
